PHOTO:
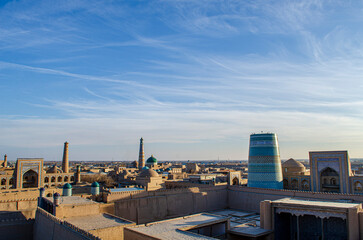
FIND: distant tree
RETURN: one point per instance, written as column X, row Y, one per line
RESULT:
column 102, row 179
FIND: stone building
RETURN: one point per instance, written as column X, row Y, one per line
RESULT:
column 151, row 162
column 295, row 176
column 149, row 179
column 29, row 173
column 330, row 171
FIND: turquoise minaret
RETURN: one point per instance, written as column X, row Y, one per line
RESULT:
column 264, row 164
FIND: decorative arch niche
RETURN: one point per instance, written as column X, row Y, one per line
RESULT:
column 30, row 179
column 329, row 180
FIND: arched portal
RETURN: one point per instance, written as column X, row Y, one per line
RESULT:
column 305, row 185
column 285, row 184
column 329, row 180
column 358, row 187
column 294, row 184
column 235, row 181
column 30, row 179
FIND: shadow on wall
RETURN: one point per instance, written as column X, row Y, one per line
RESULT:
column 16, row 225
column 162, row 204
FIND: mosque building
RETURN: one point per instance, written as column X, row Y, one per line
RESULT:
column 30, row 173
column 151, row 162
column 330, row 171
column 150, row 179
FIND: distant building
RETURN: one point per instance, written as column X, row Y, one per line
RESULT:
column 30, row 173
column 295, row 175
column 149, row 179
column 151, row 162
column 330, row 171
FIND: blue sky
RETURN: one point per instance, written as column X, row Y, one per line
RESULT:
column 193, row 78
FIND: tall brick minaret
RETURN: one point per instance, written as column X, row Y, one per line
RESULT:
column 65, row 158
column 141, row 154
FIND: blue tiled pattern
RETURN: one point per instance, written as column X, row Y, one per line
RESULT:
column 264, row 164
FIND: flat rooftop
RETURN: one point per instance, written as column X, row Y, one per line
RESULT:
column 175, row 229
column 72, row 200
column 97, row 221
column 320, row 204
column 243, row 223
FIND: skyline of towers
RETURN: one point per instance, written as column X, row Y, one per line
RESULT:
column 65, row 163
column 264, row 164
column 141, row 154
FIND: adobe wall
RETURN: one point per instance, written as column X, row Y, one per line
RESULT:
column 77, row 210
column 14, row 229
column 47, row 226
column 107, row 208
column 181, row 184
column 16, row 194
column 131, row 234
column 111, row 233
column 18, row 205
column 248, row 199
column 115, row 196
column 164, row 204
column 21, row 200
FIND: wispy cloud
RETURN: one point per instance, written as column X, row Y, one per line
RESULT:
column 182, row 72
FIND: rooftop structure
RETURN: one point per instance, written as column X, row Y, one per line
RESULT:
column 184, row 228
column 296, row 218
column 151, row 161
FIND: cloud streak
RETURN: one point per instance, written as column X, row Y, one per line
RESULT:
column 188, row 73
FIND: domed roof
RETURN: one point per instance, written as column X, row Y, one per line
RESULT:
column 152, row 160
column 67, row 186
column 54, row 169
column 148, row 173
column 292, row 163
column 145, row 168
column 95, row 184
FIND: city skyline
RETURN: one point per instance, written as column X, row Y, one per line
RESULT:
column 193, row 78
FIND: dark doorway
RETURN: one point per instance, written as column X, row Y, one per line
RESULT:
column 329, row 180
column 30, row 179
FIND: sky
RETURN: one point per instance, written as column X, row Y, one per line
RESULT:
column 193, row 78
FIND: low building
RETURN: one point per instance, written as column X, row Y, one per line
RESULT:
column 305, row 219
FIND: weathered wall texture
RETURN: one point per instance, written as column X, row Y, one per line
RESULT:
column 111, row 233
column 25, row 193
column 77, row 210
column 17, row 205
column 47, row 226
column 171, row 203
column 16, row 229
column 130, row 234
